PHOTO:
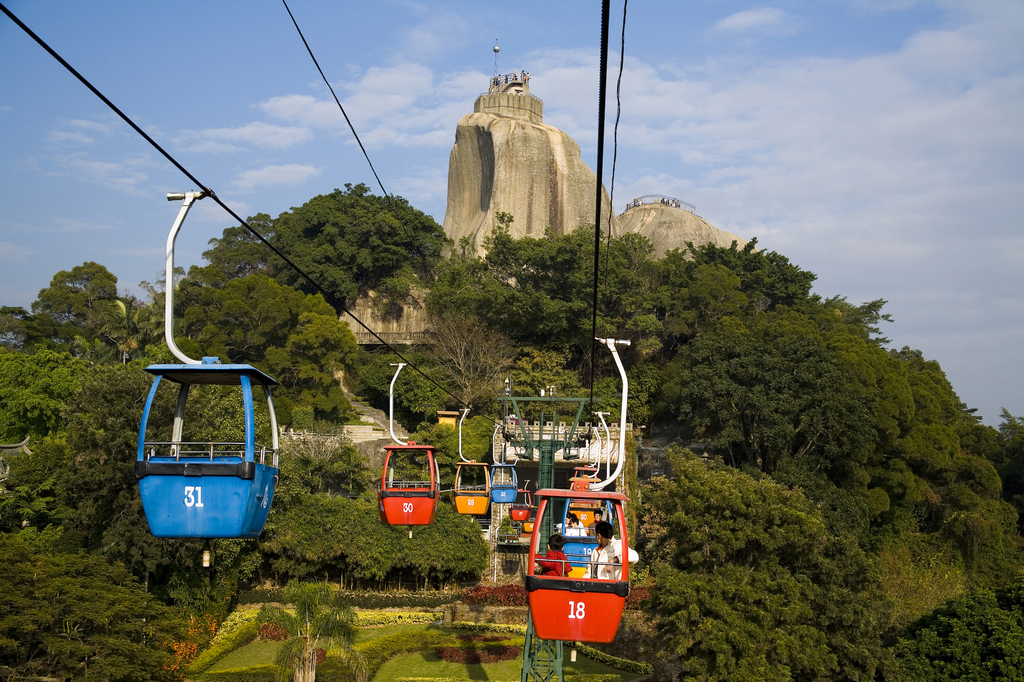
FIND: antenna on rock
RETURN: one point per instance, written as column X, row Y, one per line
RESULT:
column 496, row 51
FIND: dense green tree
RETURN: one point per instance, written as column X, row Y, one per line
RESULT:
column 76, row 297
column 765, row 391
column 320, row 460
column 129, row 325
column 978, row 636
column 295, row 337
column 751, row 585
column 416, row 392
column 76, row 617
column 20, row 330
column 325, row 536
column 238, row 253
column 100, row 488
column 539, row 291
column 347, row 241
column 34, row 389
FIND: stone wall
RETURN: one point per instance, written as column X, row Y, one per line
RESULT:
column 512, row 104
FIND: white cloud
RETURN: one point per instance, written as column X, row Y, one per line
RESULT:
column 14, row 252
column 208, row 147
column 304, row 110
column 124, row 176
column 91, row 125
column 424, row 185
column 66, row 225
column 764, row 19
column 135, row 253
column 81, row 132
column 400, row 105
column 58, row 136
column 268, row 176
column 257, row 134
column 210, row 212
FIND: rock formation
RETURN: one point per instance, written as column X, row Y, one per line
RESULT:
column 506, row 160
column 670, row 228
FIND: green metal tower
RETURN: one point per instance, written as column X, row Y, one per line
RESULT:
column 542, row 658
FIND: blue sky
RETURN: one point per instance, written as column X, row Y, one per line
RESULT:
column 877, row 143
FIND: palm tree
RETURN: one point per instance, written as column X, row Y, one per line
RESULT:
column 319, row 619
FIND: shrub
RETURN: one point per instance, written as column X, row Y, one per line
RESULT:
column 271, row 632
column 363, row 600
column 637, row 597
column 489, row 627
column 614, row 661
column 366, row 619
column 505, row 595
column 238, row 629
column 478, row 638
column 454, row 654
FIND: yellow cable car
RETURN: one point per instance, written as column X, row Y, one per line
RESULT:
column 472, row 492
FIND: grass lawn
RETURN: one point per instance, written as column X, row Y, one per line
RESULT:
column 427, row 664
column 367, row 634
column 256, row 653
column 424, row 664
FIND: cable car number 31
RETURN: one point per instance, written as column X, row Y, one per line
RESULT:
column 193, row 496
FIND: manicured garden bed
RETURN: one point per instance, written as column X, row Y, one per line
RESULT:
column 406, row 650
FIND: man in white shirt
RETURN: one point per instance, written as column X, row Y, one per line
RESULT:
column 606, row 558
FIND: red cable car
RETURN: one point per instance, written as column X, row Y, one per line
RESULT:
column 411, row 500
column 580, row 609
column 520, row 511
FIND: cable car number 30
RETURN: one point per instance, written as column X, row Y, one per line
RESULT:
column 577, row 610
column 407, row 507
column 193, row 496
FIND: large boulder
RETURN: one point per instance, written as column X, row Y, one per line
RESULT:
column 670, row 228
column 528, row 169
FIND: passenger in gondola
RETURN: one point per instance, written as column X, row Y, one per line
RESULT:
column 553, row 563
column 574, row 529
column 606, row 558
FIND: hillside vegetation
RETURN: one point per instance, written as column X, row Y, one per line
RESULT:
column 851, row 515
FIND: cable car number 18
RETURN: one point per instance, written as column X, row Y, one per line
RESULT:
column 193, row 496
column 577, row 610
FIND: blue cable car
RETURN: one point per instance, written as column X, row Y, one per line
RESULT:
column 207, row 489
column 503, row 483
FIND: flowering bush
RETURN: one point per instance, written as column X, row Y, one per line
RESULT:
column 505, row 595
column 272, row 632
column 454, row 654
column 637, row 595
column 201, row 630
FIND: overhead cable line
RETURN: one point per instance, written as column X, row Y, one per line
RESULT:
column 603, row 78
column 338, row 102
column 209, row 192
column 615, row 138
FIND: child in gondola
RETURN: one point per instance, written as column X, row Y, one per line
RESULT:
column 553, row 563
